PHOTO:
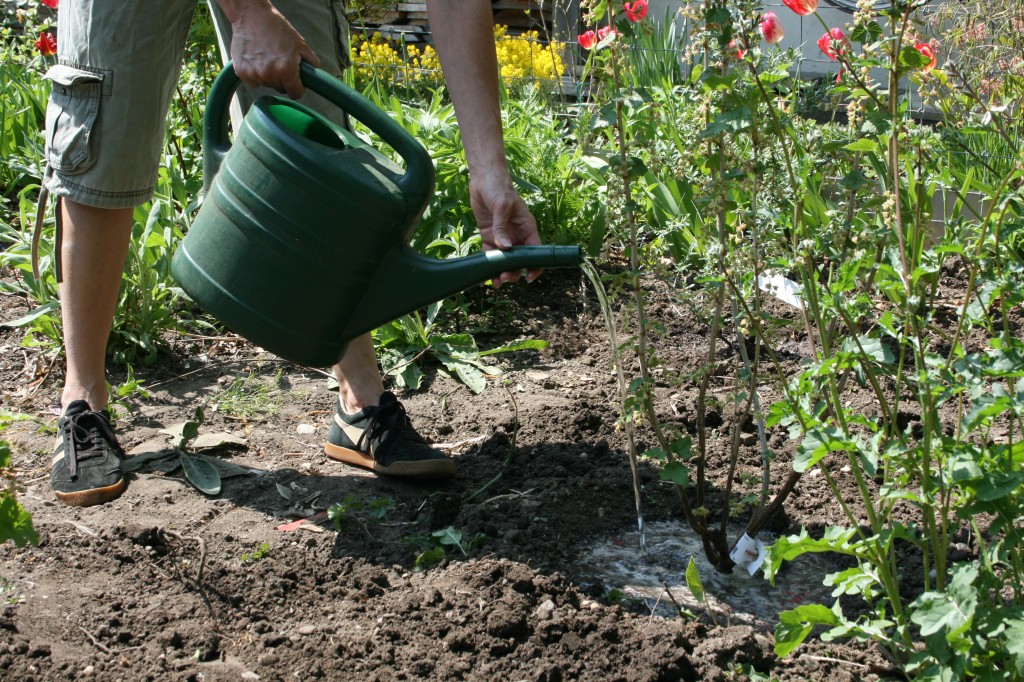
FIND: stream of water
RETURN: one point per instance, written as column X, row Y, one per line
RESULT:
column 602, row 297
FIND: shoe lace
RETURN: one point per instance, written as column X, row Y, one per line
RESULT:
column 388, row 421
column 86, row 434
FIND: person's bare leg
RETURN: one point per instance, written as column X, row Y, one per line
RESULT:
column 359, row 381
column 95, row 244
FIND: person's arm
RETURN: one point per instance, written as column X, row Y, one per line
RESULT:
column 464, row 40
column 265, row 49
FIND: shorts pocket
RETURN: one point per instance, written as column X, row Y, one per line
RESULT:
column 71, row 117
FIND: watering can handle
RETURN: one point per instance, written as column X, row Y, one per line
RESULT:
column 419, row 169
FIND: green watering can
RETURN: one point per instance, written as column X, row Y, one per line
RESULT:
column 300, row 242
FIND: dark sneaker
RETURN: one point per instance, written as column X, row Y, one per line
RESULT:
column 86, row 467
column 381, row 438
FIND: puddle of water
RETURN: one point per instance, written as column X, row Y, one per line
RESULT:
column 618, row 562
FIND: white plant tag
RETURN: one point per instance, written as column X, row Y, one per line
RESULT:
column 748, row 553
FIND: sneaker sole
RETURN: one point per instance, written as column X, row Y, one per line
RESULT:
column 90, row 498
column 425, row 468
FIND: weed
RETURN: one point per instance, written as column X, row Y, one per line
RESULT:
column 249, row 396
column 261, row 552
column 375, row 509
column 405, row 341
column 15, row 521
column 440, row 544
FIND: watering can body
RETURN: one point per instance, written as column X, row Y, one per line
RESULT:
column 299, row 245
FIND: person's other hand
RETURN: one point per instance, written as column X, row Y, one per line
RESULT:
column 266, row 50
column 503, row 218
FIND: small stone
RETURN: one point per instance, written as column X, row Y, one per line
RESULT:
column 88, row 670
column 266, row 659
column 306, row 629
column 748, row 439
column 546, row 610
column 306, row 429
column 250, row 675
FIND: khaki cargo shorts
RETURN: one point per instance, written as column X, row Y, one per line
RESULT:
column 118, row 64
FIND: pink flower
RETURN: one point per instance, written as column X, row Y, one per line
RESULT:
column 52, row 4
column 47, row 44
column 927, row 51
column 636, row 11
column 801, row 7
column 833, row 43
column 587, row 40
column 605, row 31
column 771, row 29
column 736, row 49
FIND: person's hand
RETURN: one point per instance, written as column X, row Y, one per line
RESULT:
column 503, row 219
column 265, row 49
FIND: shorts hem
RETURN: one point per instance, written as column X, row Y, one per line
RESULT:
column 89, row 196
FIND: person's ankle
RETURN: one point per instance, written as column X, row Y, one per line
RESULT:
column 354, row 401
column 95, row 403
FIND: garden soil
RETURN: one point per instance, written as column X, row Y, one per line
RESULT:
column 166, row 583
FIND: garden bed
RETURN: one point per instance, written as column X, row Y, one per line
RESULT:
column 116, row 592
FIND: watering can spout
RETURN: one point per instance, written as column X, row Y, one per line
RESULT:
column 407, row 280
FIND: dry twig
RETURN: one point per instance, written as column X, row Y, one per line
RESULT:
column 164, row 533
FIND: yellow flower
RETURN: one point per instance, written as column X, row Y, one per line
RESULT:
column 522, row 57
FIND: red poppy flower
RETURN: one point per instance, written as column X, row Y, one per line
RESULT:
column 736, row 49
column 801, row 7
column 587, row 40
column 47, row 44
column 833, row 43
column 636, row 11
column 771, row 29
column 52, row 4
column 605, row 31
column 927, row 51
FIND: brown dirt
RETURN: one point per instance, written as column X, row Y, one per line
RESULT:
column 115, row 591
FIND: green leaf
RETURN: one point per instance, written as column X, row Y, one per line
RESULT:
column 654, row 453
column 995, row 486
column 429, row 558
column 693, row 581
column 795, row 625
column 1015, row 644
column 676, row 472
column 201, row 473
column 836, row 539
column 526, row 344
column 912, row 58
column 936, row 612
column 863, row 145
column 15, row 522
column 467, row 372
column 32, row 316
column 818, row 443
column 450, row 536
column 683, row 447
